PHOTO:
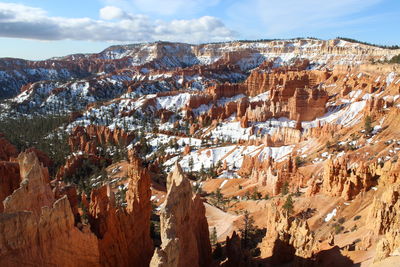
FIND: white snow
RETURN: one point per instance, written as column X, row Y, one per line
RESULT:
column 233, row 155
column 348, row 116
column 330, row 215
column 390, row 78
column 173, row 103
column 261, row 97
column 223, row 183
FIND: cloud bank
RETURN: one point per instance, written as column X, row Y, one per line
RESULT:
column 21, row 21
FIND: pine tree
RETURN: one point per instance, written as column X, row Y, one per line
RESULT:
column 191, row 163
column 248, row 229
column 213, row 237
column 288, row 206
column 285, row 188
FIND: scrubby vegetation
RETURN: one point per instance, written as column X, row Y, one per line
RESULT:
column 395, row 60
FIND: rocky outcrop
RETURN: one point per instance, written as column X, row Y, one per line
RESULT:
column 271, row 176
column 300, row 104
column 89, row 138
column 42, row 157
column 288, row 239
column 325, row 131
column 389, row 174
column 374, row 106
column 9, row 179
column 282, row 81
column 75, row 163
column 225, row 90
column 307, row 104
column 384, row 219
column 184, row 228
column 37, row 230
column 196, row 100
column 284, row 136
column 341, row 181
column 124, row 234
column 34, row 191
column 43, row 231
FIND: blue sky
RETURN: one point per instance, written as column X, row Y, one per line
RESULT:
column 39, row 29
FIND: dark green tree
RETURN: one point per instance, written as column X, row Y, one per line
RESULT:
column 248, row 229
column 288, row 205
column 213, row 237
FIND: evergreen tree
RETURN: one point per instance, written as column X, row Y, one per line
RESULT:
column 191, row 163
column 213, row 237
column 248, row 229
column 288, row 206
column 285, row 188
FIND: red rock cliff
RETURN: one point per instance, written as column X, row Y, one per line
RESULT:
column 39, row 231
column 124, row 234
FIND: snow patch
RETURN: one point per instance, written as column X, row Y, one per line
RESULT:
column 330, row 215
column 223, row 183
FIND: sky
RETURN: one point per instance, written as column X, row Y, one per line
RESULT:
column 40, row 29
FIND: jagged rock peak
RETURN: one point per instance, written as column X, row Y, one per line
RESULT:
column 38, row 230
column 184, row 227
column 176, row 177
column 34, row 191
column 139, row 193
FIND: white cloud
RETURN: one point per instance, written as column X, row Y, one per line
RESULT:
column 20, row 21
column 112, row 12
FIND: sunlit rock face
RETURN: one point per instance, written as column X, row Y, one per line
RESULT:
column 184, row 228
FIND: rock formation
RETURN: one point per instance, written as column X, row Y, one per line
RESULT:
column 385, row 220
column 292, row 95
column 225, row 90
column 285, row 136
column 75, row 162
column 89, row 138
column 287, row 239
column 9, row 180
column 34, row 191
column 272, row 176
column 124, row 234
column 42, row 157
column 184, row 228
column 341, row 181
column 46, row 232
column 37, row 230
